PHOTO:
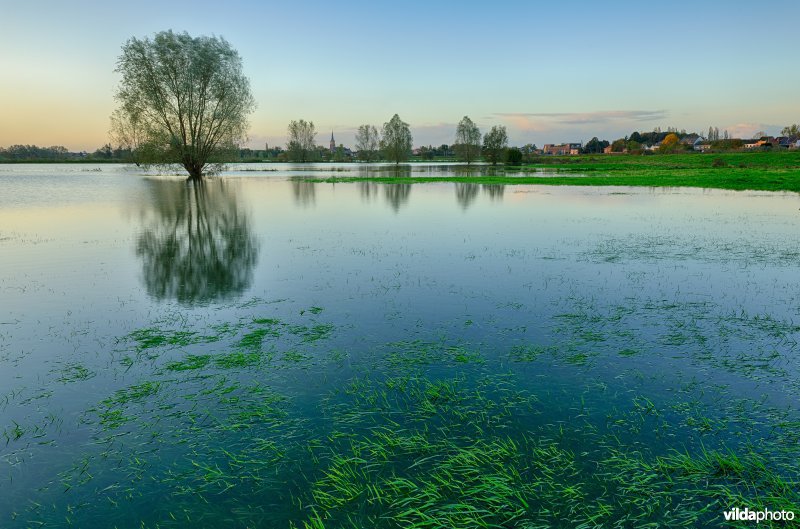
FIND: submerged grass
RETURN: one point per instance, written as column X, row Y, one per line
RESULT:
column 237, row 359
column 189, row 363
column 421, row 452
column 429, row 432
column 415, row 353
column 74, row 373
column 313, row 333
column 133, row 393
column 153, row 337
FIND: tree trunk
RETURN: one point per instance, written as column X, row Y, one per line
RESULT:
column 195, row 173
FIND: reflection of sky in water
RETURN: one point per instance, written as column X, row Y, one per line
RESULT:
column 693, row 283
column 430, row 250
column 434, row 252
column 474, row 238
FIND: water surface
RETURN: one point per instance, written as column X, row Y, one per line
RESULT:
column 269, row 352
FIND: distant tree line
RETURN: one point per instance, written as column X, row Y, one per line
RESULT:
column 59, row 153
column 33, row 152
column 469, row 146
column 430, row 152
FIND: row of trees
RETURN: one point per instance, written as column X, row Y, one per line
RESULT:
column 394, row 142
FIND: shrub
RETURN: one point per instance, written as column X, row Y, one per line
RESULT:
column 513, row 156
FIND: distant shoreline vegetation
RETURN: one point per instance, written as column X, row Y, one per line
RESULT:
column 752, row 170
column 370, row 147
column 443, row 153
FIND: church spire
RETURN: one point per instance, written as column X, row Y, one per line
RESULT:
column 333, row 142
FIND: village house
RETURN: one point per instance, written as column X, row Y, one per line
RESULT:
column 691, row 140
column 696, row 142
column 763, row 141
column 787, row 142
column 563, row 149
column 702, row 146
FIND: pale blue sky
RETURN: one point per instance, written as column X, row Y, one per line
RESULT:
column 550, row 72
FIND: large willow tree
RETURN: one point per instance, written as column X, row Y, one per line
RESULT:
column 182, row 100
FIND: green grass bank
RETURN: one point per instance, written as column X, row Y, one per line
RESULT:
column 761, row 171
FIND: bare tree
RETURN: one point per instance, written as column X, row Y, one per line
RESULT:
column 182, row 100
column 302, row 138
column 468, row 140
column 367, row 142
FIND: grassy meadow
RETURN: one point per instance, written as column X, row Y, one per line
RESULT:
column 757, row 171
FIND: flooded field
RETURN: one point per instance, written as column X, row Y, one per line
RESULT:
column 264, row 351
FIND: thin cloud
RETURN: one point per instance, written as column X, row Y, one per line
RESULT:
column 582, row 118
column 750, row 130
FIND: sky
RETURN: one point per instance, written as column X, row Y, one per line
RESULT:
column 550, row 72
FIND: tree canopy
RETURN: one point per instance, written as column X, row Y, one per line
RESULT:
column 396, row 142
column 595, row 146
column 791, row 130
column 670, row 143
column 619, row 145
column 302, row 141
column 468, row 140
column 494, row 144
column 182, row 100
column 514, row 156
column 367, row 142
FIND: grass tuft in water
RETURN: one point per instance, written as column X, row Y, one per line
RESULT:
column 75, row 373
column 189, row 363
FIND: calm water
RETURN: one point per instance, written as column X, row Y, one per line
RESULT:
column 269, row 352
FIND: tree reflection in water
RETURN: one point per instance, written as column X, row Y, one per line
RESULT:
column 466, row 194
column 197, row 244
column 305, row 193
column 368, row 190
column 397, row 194
column 495, row 191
